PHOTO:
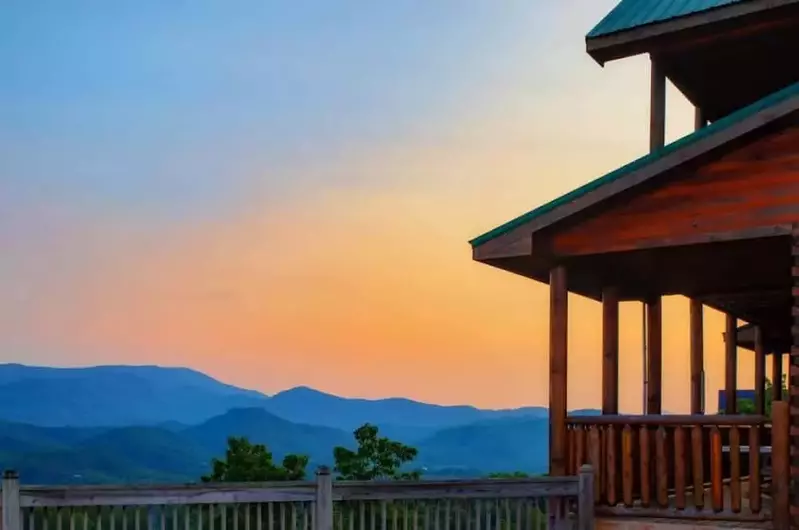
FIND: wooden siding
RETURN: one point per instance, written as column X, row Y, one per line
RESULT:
column 753, row 188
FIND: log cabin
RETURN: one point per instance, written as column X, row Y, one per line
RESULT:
column 714, row 217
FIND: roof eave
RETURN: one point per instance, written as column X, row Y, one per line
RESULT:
column 637, row 40
column 515, row 236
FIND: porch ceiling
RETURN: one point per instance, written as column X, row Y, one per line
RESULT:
column 749, row 278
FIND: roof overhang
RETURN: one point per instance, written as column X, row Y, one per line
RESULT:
column 772, row 343
column 515, row 239
column 645, row 38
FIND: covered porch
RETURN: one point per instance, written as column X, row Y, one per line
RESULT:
column 726, row 465
column 710, row 217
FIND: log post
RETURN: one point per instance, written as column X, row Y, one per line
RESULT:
column 655, row 365
column 657, row 106
column 776, row 376
column 780, row 464
column 11, row 510
column 610, row 351
column 793, row 383
column 323, row 517
column 697, row 326
column 558, row 359
column 657, row 139
column 697, row 357
column 585, row 499
column 731, row 364
column 760, row 372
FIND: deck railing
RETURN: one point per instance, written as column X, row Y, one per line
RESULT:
column 323, row 504
column 707, row 466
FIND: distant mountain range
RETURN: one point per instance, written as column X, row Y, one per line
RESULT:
column 151, row 424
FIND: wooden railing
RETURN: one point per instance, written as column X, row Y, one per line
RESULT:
column 708, row 466
column 323, row 504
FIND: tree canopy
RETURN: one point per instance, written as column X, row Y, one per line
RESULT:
column 247, row 462
column 377, row 457
column 747, row 406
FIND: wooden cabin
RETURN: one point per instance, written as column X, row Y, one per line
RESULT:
column 713, row 217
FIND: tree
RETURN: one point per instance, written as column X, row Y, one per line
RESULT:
column 247, row 462
column 377, row 457
column 747, row 406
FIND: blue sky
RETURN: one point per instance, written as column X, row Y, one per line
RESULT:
column 281, row 193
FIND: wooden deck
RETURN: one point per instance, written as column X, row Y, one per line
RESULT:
column 671, row 524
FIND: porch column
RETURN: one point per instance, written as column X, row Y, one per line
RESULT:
column 697, row 357
column 651, row 350
column 558, row 357
column 730, row 364
column 655, row 366
column 760, row 372
column 697, row 326
column 657, row 106
column 610, row 351
column 776, row 375
column 793, row 383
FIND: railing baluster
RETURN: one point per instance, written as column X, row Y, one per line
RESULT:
column 662, row 467
column 754, row 469
column 270, row 513
column 698, row 467
column 716, row 472
column 646, row 479
column 579, row 434
column 594, row 458
column 627, row 477
column 612, row 465
column 680, row 465
column 735, row 469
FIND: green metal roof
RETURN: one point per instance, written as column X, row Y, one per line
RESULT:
column 631, row 14
column 717, row 126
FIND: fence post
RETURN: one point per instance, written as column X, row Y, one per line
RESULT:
column 780, row 464
column 12, row 515
column 324, row 499
column 585, row 499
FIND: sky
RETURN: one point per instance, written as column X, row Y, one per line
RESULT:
column 281, row 193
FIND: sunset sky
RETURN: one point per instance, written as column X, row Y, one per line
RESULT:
column 281, row 193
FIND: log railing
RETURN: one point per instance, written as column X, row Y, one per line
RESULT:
column 708, row 466
column 324, row 504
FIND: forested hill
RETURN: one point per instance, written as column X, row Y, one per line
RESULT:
column 152, row 424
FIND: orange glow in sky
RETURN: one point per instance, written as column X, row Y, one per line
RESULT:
column 346, row 268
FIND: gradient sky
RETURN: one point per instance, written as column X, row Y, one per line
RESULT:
column 281, row 193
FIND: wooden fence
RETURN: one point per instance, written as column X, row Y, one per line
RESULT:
column 322, row 504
